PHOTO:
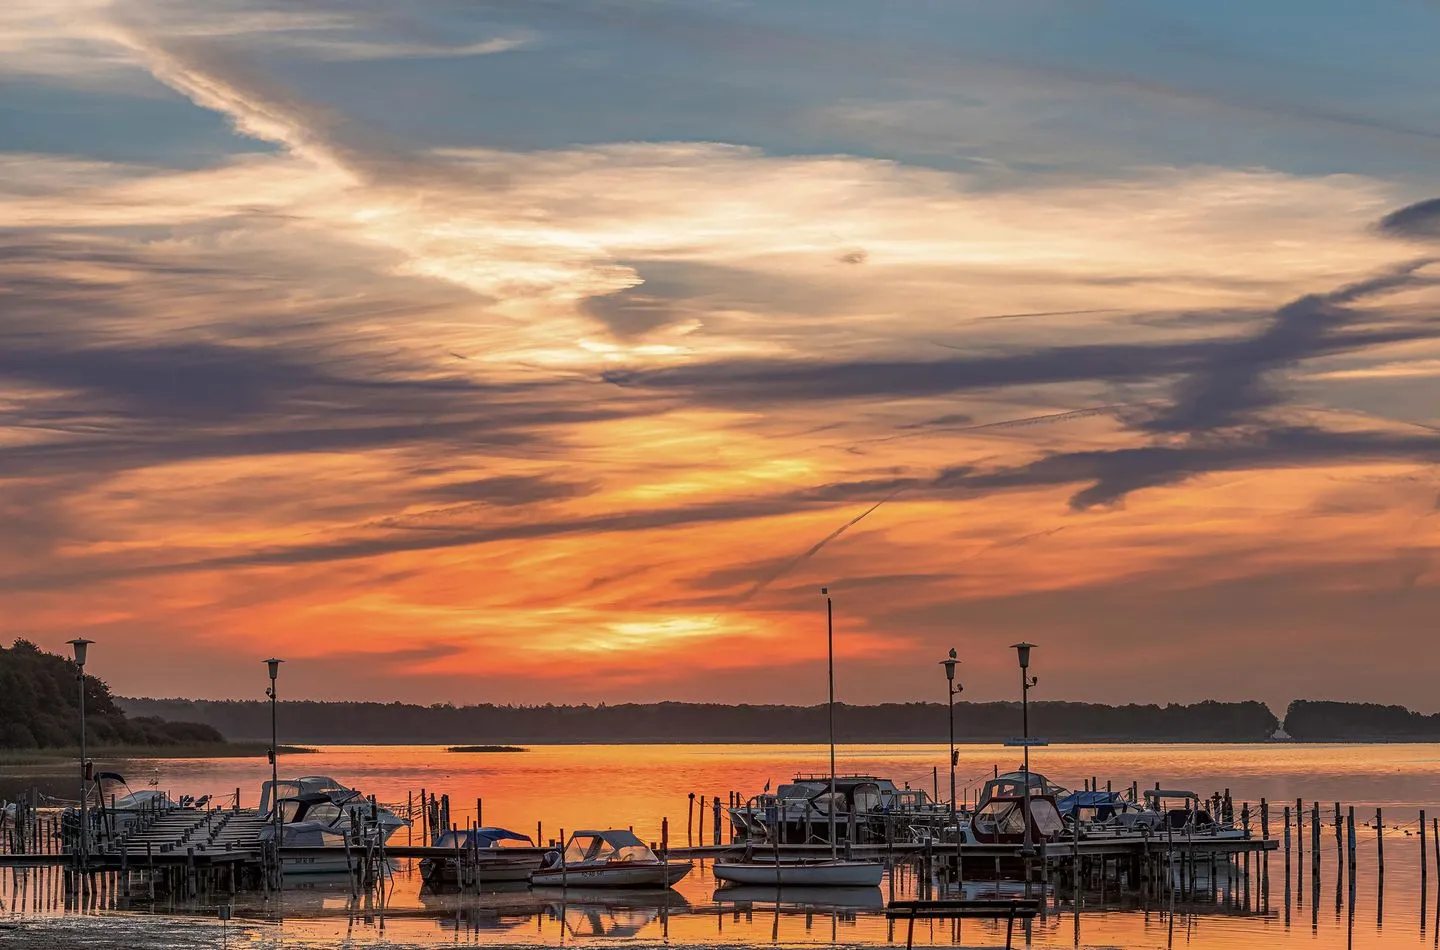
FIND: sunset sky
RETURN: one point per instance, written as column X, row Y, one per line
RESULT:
column 543, row 350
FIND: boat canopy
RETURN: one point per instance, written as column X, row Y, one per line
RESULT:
column 1011, row 784
column 304, row 785
column 616, row 847
column 481, row 838
column 1104, row 804
column 314, row 807
column 1004, row 817
column 1168, row 793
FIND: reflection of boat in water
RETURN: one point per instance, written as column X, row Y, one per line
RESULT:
column 800, row 872
column 856, row 897
column 482, row 856
column 613, row 858
column 613, row 918
column 486, row 920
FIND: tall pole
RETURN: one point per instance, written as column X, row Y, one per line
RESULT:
column 274, row 668
column 830, row 665
column 80, row 645
column 951, row 688
column 1022, row 651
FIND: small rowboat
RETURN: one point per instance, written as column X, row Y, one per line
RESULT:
column 608, row 859
column 801, row 873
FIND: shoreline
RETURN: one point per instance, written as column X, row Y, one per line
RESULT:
column 187, row 750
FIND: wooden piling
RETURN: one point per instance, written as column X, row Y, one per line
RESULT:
column 1287, row 842
column 1315, row 842
column 1436, row 838
column 1380, row 842
column 690, row 821
column 1350, row 839
column 1424, row 852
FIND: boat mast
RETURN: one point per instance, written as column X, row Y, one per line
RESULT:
column 830, row 665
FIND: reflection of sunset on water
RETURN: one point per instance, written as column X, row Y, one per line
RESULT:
column 573, row 787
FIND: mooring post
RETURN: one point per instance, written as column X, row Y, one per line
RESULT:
column 1380, row 841
column 1287, row 845
column 1350, row 839
column 1339, row 838
column 1436, row 838
column 1424, row 854
column 690, row 822
column 715, row 837
column 1315, row 842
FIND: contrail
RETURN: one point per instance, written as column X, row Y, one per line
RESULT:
column 814, row 549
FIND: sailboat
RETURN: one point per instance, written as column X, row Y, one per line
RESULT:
column 806, row 872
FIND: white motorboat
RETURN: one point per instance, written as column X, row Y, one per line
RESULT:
column 608, row 859
column 350, row 800
column 800, row 873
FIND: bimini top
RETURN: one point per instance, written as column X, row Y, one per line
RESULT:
column 1169, row 793
column 1103, row 803
column 481, row 838
column 1008, row 784
column 616, row 846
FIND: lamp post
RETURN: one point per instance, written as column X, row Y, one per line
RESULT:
column 1022, row 651
column 274, row 666
column 80, row 645
column 830, row 665
column 952, row 688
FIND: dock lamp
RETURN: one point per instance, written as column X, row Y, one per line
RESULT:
column 274, row 666
column 80, row 645
column 1022, row 651
column 952, row 688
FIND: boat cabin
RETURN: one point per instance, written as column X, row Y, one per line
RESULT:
column 1002, row 820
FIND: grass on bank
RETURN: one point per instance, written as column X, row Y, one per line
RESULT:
column 486, row 748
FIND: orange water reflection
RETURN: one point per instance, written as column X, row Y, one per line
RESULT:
column 617, row 786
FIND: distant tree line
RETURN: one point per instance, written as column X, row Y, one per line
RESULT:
column 1317, row 721
column 40, row 708
column 341, row 722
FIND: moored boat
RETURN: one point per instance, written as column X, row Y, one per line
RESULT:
column 800, row 873
column 482, row 856
column 613, row 858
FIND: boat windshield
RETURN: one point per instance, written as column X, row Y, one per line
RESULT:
column 613, row 846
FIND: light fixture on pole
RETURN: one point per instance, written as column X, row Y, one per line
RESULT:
column 830, row 665
column 274, row 666
column 952, row 688
column 80, row 645
column 1022, row 651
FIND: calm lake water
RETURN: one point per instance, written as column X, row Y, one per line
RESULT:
column 617, row 786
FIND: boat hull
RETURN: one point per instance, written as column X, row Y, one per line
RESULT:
column 800, row 874
column 486, row 869
column 615, row 875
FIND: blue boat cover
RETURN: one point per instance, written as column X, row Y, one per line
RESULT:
column 485, row 837
column 1103, row 802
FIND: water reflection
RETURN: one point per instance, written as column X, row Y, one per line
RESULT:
column 1224, row 910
